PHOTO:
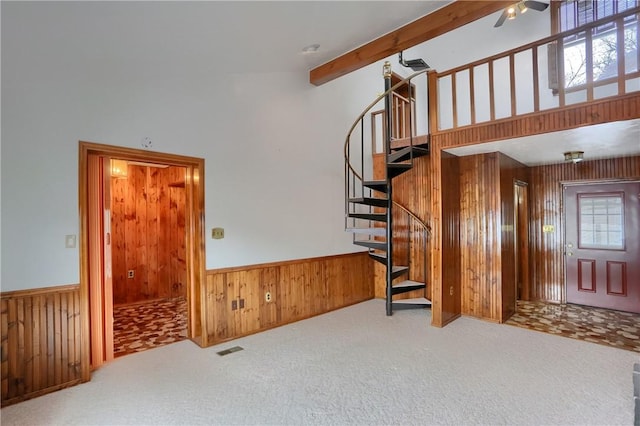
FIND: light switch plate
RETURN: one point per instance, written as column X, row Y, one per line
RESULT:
column 70, row 241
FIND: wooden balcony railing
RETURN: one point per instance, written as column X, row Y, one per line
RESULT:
column 595, row 61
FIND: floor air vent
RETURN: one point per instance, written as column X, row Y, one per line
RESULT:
column 229, row 351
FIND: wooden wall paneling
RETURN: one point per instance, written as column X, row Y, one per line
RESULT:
column 131, row 260
column 118, row 239
column 156, row 291
column 605, row 110
column 40, row 341
column 479, row 234
column 218, row 322
column 358, row 273
column 316, row 288
column 269, row 309
column 139, row 238
column 249, row 292
column 178, row 233
column 431, row 208
column 451, row 296
column 163, row 204
column 510, row 172
column 149, row 225
column 299, row 289
column 337, row 272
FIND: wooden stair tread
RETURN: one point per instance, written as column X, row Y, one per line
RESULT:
column 408, row 283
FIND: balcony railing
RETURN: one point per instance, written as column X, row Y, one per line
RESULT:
column 595, row 61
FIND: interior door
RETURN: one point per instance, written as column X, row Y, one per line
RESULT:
column 602, row 245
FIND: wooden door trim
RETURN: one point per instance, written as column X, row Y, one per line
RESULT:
column 195, row 235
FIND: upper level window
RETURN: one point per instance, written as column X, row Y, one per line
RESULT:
column 576, row 13
column 599, row 57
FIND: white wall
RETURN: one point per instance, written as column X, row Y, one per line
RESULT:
column 479, row 40
column 272, row 143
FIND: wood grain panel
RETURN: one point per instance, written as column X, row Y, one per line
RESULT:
column 620, row 108
column 547, row 251
column 510, row 172
column 480, row 250
column 40, row 341
column 299, row 289
column 451, row 273
column 148, row 223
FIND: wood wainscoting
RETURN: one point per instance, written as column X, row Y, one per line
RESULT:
column 41, row 350
column 236, row 298
column 42, row 328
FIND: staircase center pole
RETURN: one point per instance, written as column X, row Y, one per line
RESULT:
column 386, row 71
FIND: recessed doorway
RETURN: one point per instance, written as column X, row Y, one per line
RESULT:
column 97, row 248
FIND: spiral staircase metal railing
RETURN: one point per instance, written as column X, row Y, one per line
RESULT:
column 369, row 206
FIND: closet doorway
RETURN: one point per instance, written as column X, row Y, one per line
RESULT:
column 142, row 244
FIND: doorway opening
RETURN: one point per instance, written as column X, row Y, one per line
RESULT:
column 106, row 272
column 148, row 254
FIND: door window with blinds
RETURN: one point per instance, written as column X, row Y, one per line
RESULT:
column 601, row 221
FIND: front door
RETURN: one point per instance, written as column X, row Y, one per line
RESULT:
column 602, row 245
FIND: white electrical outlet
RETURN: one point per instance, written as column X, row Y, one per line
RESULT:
column 267, row 296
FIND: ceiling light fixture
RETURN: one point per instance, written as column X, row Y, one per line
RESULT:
column 522, row 7
column 119, row 168
column 574, row 156
column 312, row 48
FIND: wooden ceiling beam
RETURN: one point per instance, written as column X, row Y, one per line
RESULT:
column 448, row 18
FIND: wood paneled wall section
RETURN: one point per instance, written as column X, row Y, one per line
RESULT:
column 451, row 296
column 619, row 108
column 480, row 251
column 545, row 194
column 148, row 234
column 40, row 341
column 510, row 172
column 299, row 289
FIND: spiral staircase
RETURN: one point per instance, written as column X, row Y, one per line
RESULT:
column 370, row 207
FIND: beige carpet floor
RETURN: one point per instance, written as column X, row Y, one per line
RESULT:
column 355, row 366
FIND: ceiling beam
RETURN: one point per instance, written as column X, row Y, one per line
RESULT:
column 448, row 18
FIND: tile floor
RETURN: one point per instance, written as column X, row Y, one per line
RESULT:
column 148, row 325
column 145, row 326
column 597, row 325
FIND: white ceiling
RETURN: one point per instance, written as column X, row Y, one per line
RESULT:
column 621, row 138
column 268, row 36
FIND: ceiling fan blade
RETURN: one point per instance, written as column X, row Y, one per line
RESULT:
column 501, row 19
column 536, row 5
